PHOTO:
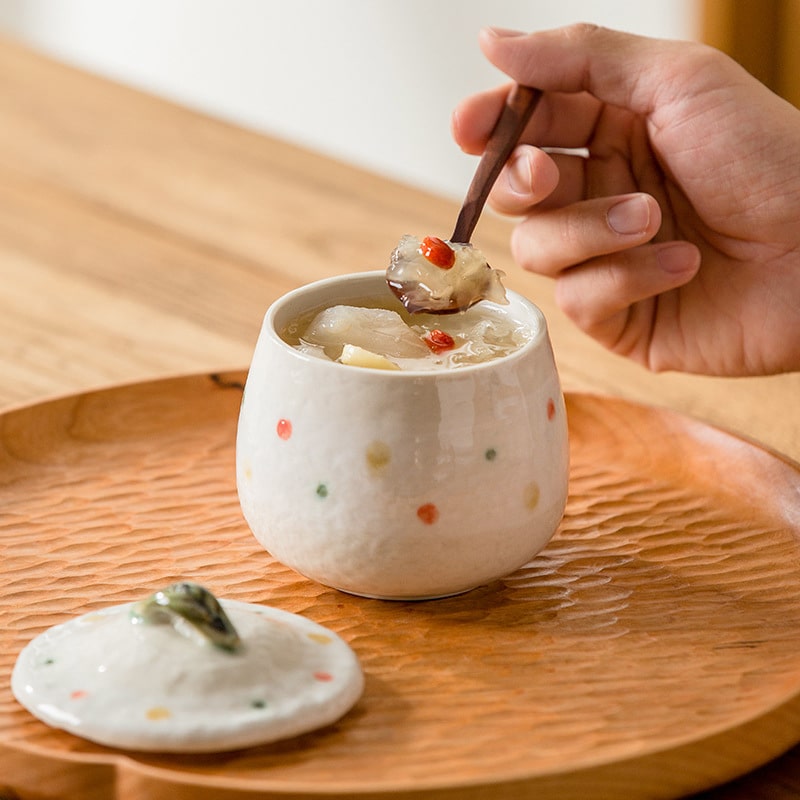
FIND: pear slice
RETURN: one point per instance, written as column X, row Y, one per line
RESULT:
column 356, row 356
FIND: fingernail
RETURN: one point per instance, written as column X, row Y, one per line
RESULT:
column 503, row 33
column 629, row 216
column 674, row 258
column 520, row 174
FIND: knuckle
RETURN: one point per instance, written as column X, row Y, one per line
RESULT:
column 569, row 299
column 520, row 248
column 590, row 292
column 576, row 230
column 581, row 31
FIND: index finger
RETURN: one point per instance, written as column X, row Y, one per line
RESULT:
column 623, row 69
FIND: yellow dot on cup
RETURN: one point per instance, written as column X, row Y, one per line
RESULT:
column 158, row 712
column 530, row 495
column 378, row 455
column 320, row 638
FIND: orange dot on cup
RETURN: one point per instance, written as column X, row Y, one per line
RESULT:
column 284, row 428
column 428, row 513
column 551, row 409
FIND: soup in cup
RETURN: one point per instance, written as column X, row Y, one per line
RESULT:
column 402, row 476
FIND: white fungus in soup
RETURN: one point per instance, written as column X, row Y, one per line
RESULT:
column 369, row 335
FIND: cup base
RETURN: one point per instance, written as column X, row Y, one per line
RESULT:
column 405, row 598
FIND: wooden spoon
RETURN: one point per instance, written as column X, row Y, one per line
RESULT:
column 520, row 105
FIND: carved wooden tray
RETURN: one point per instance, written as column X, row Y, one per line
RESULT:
column 650, row 651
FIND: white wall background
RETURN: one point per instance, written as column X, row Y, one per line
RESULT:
column 371, row 82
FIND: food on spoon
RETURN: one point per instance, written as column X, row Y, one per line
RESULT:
column 382, row 338
column 182, row 672
column 441, row 277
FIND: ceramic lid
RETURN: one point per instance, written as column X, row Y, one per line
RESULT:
column 227, row 676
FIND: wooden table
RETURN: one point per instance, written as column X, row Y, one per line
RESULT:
column 139, row 240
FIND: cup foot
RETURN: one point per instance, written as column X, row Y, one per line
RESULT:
column 404, row 598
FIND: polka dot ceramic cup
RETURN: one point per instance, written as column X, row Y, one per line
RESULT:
column 400, row 484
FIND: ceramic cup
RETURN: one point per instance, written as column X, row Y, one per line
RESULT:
column 400, row 484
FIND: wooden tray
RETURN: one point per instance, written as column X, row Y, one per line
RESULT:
column 650, row 651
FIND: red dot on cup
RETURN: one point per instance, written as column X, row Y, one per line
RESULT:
column 551, row 409
column 428, row 513
column 284, row 428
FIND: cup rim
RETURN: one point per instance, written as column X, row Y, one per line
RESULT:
column 289, row 306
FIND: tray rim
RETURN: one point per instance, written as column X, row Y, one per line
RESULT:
column 224, row 377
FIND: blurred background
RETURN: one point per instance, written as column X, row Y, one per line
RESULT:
column 371, row 82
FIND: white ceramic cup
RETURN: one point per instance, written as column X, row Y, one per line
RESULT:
column 400, row 484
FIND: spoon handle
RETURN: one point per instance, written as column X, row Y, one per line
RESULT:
column 519, row 106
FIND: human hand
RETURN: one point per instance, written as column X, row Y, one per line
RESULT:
column 676, row 240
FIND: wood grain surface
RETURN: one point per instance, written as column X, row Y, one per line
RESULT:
column 140, row 240
column 648, row 651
